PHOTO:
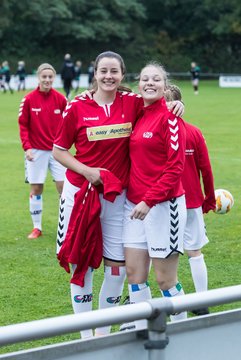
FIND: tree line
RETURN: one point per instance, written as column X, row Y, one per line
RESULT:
column 173, row 32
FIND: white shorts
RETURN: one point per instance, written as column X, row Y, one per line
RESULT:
column 111, row 218
column 36, row 170
column 195, row 82
column 161, row 232
column 195, row 236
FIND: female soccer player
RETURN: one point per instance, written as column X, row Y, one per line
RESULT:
column 99, row 128
column 198, row 201
column 21, row 74
column 6, row 73
column 195, row 76
column 39, row 115
column 155, row 209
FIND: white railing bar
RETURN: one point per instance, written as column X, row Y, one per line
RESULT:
column 44, row 328
column 198, row 300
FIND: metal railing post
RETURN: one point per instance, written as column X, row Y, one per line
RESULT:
column 157, row 338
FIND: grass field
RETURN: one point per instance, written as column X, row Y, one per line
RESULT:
column 33, row 286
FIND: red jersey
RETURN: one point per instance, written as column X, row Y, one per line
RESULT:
column 157, row 152
column 100, row 134
column 39, row 116
column 197, row 163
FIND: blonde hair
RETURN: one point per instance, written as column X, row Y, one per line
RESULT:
column 45, row 66
column 172, row 93
column 160, row 68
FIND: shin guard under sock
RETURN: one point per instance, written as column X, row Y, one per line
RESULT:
column 111, row 291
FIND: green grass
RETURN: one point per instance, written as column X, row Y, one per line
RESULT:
column 34, row 286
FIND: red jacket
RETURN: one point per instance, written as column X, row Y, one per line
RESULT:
column 83, row 244
column 40, row 114
column 197, row 166
column 157, row 153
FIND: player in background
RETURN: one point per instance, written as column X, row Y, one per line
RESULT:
column 2, row 87
column 99, row 127
column 77, row 71
column 155, row 191
column 6, row 73
column 40, row 113
column 198, row 201
column 90, row 72
column 195, row 76
column 21, row 74
column 67, row 74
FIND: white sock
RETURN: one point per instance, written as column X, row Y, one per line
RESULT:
column 176, row 290
column 81, row 298
column 139, row 293
column 36, row 208
column 199, row 273
column 111, row 291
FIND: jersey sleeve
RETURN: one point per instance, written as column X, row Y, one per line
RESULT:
column 24, row 121
column 139, row 108
column 67, row 129
column 175, row 141
column 207, row 175
column 63, row 104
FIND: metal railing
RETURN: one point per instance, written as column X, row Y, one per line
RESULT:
column 150, row 310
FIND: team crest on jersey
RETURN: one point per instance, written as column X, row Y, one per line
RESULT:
column 147, row 135
column 57, row 111
column 109, row 132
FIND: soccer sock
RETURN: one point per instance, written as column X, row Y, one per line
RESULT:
column 81, row 298
column 111, row 291
column 199, row 273
column 176, row 290
column 36, row 208
column 138, row 293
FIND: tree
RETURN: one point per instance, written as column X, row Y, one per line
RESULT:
column 173, row 32
column 203, row 30
column 58, row 26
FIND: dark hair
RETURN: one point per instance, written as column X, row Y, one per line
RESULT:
column 113, row 55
